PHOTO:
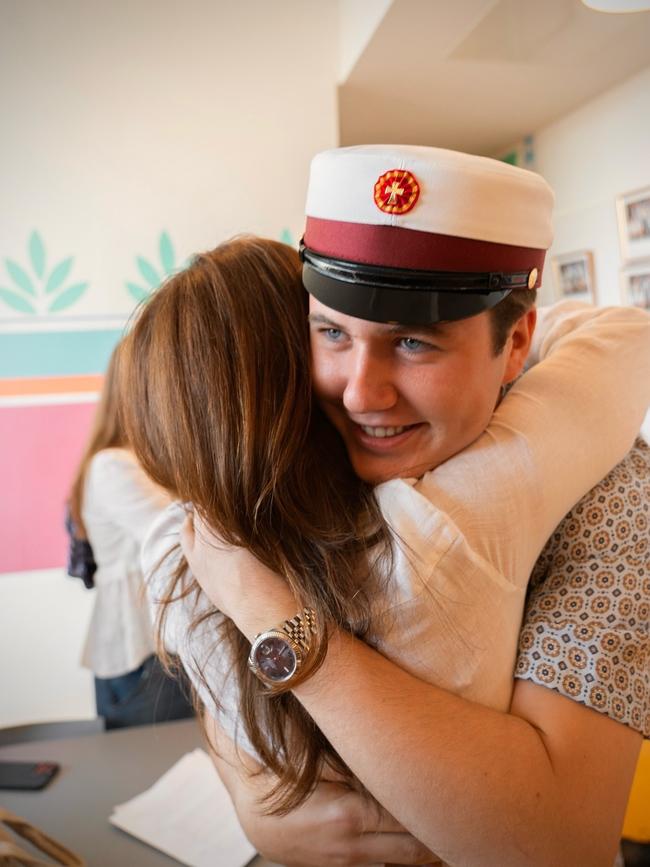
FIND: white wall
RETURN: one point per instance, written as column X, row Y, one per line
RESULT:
column 590, row 157
column 358, row 21
column 44, row 617
column 121, row 120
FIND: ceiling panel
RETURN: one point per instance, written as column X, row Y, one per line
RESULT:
column 478, row 75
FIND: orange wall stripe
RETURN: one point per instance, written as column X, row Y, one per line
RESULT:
column 49, row 385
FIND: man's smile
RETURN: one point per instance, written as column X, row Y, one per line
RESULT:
column 381, row 438
column 382, row 432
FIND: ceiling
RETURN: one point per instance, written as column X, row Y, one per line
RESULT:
column 479, row 75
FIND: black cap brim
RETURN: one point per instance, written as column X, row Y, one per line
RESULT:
column 410, row 298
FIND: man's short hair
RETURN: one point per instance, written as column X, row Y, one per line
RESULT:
column 506, row 313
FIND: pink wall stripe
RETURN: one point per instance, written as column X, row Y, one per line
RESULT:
column 39, row 450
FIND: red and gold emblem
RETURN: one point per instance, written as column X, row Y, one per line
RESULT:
column 396, row 192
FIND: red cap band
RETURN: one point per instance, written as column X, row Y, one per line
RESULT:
column 397, row 247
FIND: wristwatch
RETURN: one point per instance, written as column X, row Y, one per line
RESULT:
column 277, row 655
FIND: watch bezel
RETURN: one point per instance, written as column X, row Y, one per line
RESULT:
column 294, row 646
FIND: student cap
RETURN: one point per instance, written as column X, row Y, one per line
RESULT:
column 418, row 235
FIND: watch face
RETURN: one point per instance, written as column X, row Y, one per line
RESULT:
column 275, row 658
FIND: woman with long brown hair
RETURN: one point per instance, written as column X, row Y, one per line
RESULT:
column 221, row 415
column 111, row 505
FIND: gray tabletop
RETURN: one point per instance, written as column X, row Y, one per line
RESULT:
column 97, row 772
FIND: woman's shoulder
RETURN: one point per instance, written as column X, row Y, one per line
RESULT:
column 160, row 558
column 118, row 490
column 106, row 469
column 108, row 460
column 161, row 546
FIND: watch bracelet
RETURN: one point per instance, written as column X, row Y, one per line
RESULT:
column 301, row 628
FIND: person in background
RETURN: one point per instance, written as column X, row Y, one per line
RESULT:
column 111, row 505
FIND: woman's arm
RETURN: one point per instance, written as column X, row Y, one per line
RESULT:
column 335, row 827
column 479, row 787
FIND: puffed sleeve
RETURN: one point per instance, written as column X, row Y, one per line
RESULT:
column 191, row 628
column 118, row 488
column 587, row 620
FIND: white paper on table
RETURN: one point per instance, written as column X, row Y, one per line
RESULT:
column 188, row 814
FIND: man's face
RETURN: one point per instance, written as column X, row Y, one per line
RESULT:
column 404, row 399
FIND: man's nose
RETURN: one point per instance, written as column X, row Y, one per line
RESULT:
column 369, row 387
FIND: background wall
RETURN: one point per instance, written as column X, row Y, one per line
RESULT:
column 134, row 134
column 590, row 157
column 358, row 22
column 44, row 619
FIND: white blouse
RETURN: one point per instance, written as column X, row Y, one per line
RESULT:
column 120, row 502
column 468, row 533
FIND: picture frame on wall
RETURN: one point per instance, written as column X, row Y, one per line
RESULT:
column 636, row 286
column 575, row 276
column 634, row 224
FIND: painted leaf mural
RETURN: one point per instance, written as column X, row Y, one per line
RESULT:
column 154, row 274
column 37, row 254
column 15, row 301
column 35, row 289
column 287, row 238
column 67, row 299
column 58, row 275
column 137, row 291
column 20, row 277
column 166, row 253
column 148, row 272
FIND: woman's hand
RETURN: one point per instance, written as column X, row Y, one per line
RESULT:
column 334, row 827
column 235, row 581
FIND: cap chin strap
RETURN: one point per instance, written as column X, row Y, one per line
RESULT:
column 407, row 296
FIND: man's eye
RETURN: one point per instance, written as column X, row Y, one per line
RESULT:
column 333, row 333
column 412, row 344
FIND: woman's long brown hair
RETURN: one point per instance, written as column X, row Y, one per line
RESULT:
column 107, row 432
column 220, row 414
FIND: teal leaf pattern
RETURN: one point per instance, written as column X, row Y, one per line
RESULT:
column 148, row 271
column 58, row 275
column 137, row 291
column 16, row 301
column 47, row 293
column 37, row 254
column 152, row 274
column 67, row 299
column 166, row 253
column 287, row 238
column 20, row 277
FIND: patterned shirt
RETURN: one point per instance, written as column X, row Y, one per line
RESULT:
column 586, row 627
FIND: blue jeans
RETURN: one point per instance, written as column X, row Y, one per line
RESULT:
column 141, row 697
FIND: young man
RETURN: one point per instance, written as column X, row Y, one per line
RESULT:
column 440, row 241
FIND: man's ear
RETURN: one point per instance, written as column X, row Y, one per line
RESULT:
column 518, row 345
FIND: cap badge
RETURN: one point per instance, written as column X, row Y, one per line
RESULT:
column 396, row 192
